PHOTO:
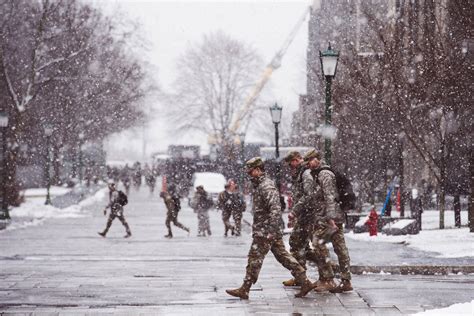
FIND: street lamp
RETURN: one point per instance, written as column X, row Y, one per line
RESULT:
column 329, row 59
column 81, row 137
column 3, row 125
column 48, row 131
column 275, row 111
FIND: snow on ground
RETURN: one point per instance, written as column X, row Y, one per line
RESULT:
column 462, row 309
column 33, row 212
column 448, row 243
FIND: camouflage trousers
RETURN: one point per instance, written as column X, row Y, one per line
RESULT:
column 203, row 223
column 121, row 218
column 259, row 249
column 237, row 215
column 172, row 217
column 226, row 219
column 339, row 245
column 301, row 249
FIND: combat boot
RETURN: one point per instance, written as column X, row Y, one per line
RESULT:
column 306, row 287
column 290, row 282
column 325, row 285
column 344, row 286
column 242, row 292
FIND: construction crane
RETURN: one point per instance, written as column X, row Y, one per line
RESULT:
column 274, row 64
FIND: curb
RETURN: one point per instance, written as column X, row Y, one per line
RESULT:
column 411, row 270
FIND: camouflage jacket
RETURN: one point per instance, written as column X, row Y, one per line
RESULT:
column 231, row 202
column 201, row 202
column 326, row 195
column 302, row 206
column 267, row 208
column 170, row 204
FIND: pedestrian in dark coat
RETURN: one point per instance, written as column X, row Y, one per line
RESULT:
column 116, row 204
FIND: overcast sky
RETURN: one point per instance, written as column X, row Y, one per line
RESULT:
column 170, row 26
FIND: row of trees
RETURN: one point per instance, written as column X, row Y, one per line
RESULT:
column 405, row 104
column 65, row 64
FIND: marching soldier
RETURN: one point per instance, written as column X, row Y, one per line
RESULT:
column 231, row 203
column 173, row 206
column 303, row 214
column 118, row 200
column 266, row 233
column 329, row 223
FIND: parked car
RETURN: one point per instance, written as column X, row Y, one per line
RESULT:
column 212, row 182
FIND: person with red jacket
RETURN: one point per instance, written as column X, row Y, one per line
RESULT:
column 372, row 222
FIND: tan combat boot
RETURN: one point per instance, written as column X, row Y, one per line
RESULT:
column 290, row 282
column 306, row 287
column 325, row 285
column 242, row 292
column 344, row 286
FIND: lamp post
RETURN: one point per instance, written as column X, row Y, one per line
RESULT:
column 48, row 131
column 242, row 159
column 329, row 59
column 81, row 137
column 4, row 206
column 275, row 111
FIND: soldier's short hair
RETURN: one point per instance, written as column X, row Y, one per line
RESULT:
column 312, row 153
column 292, row 155
column 255, row 162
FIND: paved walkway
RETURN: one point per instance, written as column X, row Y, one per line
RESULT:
column 64, row 268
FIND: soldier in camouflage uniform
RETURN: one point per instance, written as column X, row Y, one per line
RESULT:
column 201, row 204
column 266, row 234
column 231, row 203
column 329, row 214
column 303, row 214
column 173, row 206
column 116, row 211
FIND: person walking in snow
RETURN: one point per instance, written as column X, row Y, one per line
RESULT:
column 231, row 203
column 266, row 233
column 173, row 206
column 117, row 200
column 201, row 204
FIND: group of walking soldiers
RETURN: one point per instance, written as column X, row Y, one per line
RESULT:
column 231, row 203
column 317, row 219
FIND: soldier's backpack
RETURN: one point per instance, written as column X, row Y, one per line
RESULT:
column 122, row 198
column 344, row 189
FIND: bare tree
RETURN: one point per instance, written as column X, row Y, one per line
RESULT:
column 214, row 78
column 64, row 63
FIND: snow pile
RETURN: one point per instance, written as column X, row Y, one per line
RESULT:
column 447, row 243
column 461, row 309
column 33, row 211
column 401, row 223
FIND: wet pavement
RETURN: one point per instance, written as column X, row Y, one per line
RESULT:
column 63, row 267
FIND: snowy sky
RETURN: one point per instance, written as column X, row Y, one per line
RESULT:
column 171, row 25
